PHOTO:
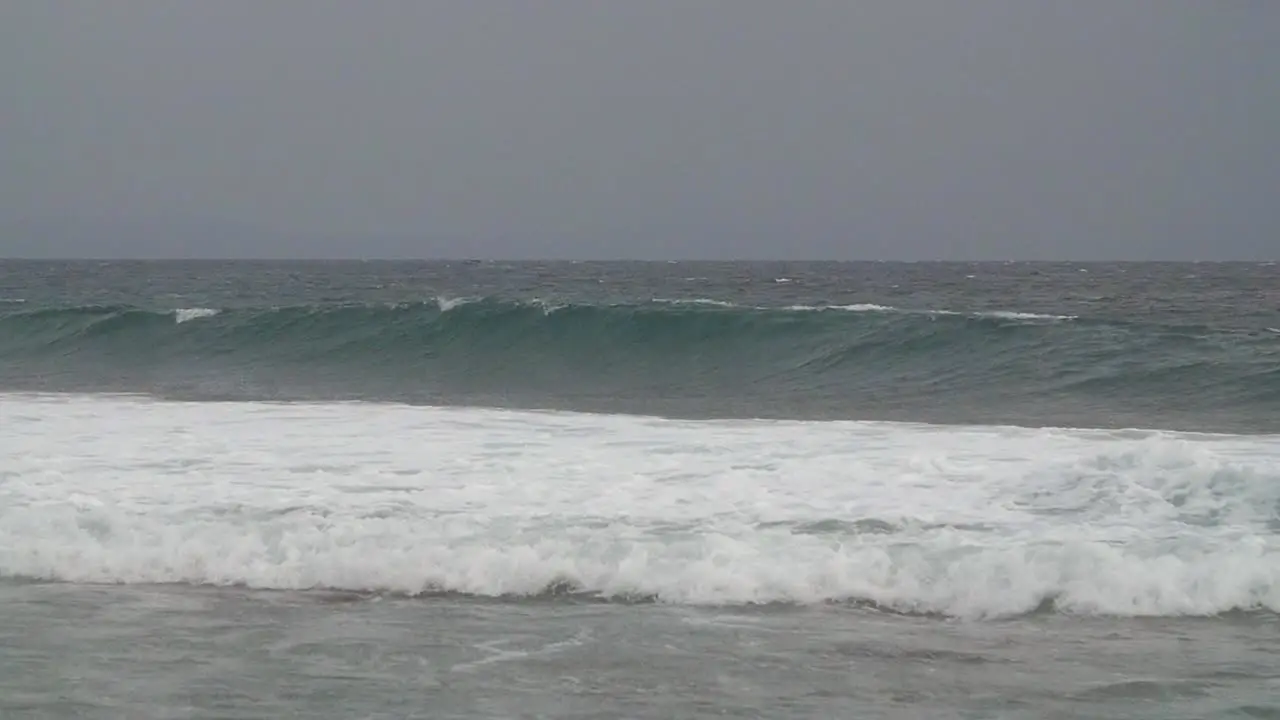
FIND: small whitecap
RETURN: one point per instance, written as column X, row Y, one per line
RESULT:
column 182, row 315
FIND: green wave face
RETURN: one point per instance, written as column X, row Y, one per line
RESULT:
column 692, row 359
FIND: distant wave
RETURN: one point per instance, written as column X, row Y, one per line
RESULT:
column 838, row 360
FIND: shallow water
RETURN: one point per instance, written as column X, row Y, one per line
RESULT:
column 167, row 652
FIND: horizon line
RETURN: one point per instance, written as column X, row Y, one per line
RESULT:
column 583, row 260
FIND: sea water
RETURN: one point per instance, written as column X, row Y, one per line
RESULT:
column 270, row 491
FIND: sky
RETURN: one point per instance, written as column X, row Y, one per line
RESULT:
column 661, row 129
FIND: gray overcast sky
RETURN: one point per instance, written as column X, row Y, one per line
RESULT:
column 948, row 129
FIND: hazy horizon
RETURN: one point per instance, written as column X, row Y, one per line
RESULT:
column 752, row 130
column 167, row 242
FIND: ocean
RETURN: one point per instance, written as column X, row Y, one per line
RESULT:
column 480, row 489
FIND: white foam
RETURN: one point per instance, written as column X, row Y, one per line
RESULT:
column 1012, row 315
column 694, row 301
column 975, row 522
column 873, row 308
column 549, row 307
column 447, row 303
column 858, row 307
column 182, row 315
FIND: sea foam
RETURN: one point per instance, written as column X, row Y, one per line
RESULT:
column 182, row 315
column 972, row 522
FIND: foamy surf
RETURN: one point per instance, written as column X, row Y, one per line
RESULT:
column 964, row 521
column 890, row 309
column 182, row 315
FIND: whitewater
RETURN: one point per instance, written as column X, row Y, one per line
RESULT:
column 962, row 521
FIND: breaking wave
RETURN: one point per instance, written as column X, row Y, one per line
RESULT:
column 678, row 356
column 975, row 522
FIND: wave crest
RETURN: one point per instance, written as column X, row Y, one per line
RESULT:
column 662, row 356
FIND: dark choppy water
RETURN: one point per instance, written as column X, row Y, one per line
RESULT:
column 807, row 490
